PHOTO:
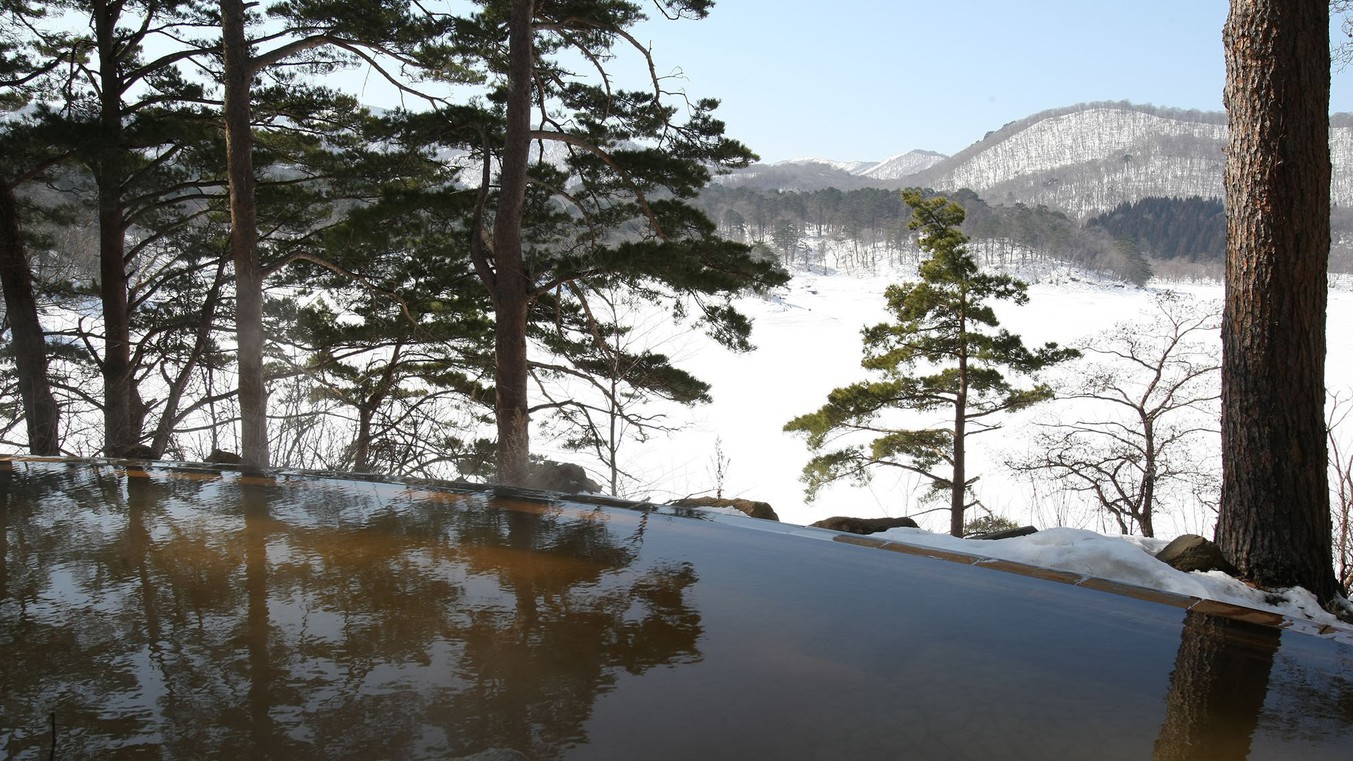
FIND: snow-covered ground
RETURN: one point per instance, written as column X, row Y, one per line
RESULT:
column 1129, row 559
column 808, row 342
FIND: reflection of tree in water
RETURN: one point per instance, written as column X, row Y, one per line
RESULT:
column 1231, row 685
column 467, row 626
column 72, row 594
column 266, row 621
column 537, row 668
column 1217, row 689
column 515, row 619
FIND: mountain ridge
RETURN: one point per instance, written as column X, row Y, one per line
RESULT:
column 1083, row 160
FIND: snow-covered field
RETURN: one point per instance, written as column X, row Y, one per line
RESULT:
column 808, row 342
column 1127, row 559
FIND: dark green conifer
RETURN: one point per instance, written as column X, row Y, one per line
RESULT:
column 944, row 351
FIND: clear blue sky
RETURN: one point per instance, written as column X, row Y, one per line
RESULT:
column 865, row 79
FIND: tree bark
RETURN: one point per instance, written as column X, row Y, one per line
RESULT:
column 1275, row 523
column 512, row 294
column 253, row 397
column 116, row 365
column 41, row 415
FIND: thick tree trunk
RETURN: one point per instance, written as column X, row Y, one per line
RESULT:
column 1275, row 522
column 361, row 445
column 41, row 415
column 244, row 237
column 512, row 297
column 116, row 366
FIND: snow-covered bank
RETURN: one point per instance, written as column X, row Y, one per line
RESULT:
column 1126, row 559
column 1123, row 558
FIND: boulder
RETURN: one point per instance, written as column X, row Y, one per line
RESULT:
column 138, row 452
column 1190, row 552
column 563, row 477
column 222, row 457
column 864, row 525
column 750, row 507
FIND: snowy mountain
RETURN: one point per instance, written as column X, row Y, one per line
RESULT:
column 901, row 165
column 1082, row 160
column 891, row 168
column 1088, row 159
column 805, row 175
column 814, row 173
column 850, row 167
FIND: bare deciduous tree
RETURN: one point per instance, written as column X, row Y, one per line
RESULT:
column 1341, row 48
column 1341, row 470
column 1146, row 399
column 605, row 374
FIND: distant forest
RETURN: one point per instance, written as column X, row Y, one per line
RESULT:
column 1192, row 229
column 1163, row 236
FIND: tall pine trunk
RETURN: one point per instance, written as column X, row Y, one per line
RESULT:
column 41, row 415
column 1275, row 522
column 253, row 397
column 116, row 366
column 512, row 287
column 958, row 491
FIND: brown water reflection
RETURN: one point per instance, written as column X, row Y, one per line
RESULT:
column 324, row 620
column 197, row 614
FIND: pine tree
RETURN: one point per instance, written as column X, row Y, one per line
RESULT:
column 943, row 351
column 613, row 207
column 125, row 113
column 345, row 32
column 25, row 66
column 1274, row 523
column 388, row 335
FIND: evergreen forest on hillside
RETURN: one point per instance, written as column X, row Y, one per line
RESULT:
column 1166, row 236
column 1192, row 229
column 795, row 226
